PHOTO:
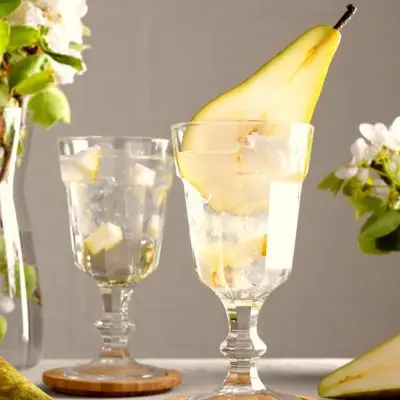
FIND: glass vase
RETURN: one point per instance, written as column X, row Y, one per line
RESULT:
column 20, row 299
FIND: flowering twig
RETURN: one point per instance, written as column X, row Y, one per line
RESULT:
column 371, row 182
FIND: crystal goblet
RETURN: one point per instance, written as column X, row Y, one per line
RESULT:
column 117, row 189
column 242, row 182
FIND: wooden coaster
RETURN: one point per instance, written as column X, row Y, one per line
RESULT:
column 56, row 380
column 244, row 398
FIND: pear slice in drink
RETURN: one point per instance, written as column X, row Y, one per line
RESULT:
column 83, row 167
column 105, row 237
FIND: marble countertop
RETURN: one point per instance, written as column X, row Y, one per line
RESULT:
column 291, row 376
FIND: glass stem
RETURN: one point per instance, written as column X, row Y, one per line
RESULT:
column 243, row 347
column 115, row 326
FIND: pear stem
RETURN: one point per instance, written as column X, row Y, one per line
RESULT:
column 347, row 16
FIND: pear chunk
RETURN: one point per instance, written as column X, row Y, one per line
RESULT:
column 375, row 374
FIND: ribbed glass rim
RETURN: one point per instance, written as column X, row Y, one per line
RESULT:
column 112, row 138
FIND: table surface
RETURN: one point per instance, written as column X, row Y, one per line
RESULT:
column 290, row 376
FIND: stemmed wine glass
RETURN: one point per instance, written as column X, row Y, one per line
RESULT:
column 117, row 189
column 242, row 181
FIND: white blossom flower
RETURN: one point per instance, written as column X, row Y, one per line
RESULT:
column 392, row 138
column 380, row 135
column 363, row 175
column 63, row 18
column 27, row 14
column 375, row 134
column 64, row 73
column 347, row 172
column 76, row 8
column 360, row 151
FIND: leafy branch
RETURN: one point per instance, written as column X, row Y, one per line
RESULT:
column 371, row 183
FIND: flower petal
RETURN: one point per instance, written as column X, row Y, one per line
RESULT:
column 395, row 127
column 368, row 131
column 381, row 131
column 363, row 175
column 392, row 141
column 346, row 172
column 359, row 149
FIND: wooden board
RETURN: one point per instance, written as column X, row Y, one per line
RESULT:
column 244, row 398
column 56, row 380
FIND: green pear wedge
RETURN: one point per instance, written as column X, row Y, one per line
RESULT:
column 284, row 91
column 286, row 88
column 375, row 374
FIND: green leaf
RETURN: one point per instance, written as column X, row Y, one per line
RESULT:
column 27, row 67
column 381, row 223
column 332, row 183
column 369, row 246
column 4, row 94
column 86, row 31
column 352, row 186
column 79, row 47
column 390, row 242
column 22, row 36
column 73, row 62
column 49, row 107
column 35, row 83
column 30, row 280
column 8, row 6
column 3, row 327
column 4, row 37
column 365, row 204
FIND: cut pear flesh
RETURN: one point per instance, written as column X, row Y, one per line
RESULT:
column 105, row 237
column 238, row 188
column 215, row 261
column 82, row 167
column 374, row 374
column 142, row 175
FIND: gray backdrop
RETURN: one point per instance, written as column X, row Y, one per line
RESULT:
column 154, row 62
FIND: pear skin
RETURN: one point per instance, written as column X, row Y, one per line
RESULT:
column 14, row 386
column 374, row 374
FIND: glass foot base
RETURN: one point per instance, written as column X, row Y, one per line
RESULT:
column 236, row 393
column 106, row 369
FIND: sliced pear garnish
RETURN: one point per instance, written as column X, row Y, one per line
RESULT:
column 285, row 90
column 143, row 176
column 105, row 237
column 82, row 167
column 374, row 374
column 218, row 160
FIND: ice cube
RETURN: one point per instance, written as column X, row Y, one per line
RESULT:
column 264, row 154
